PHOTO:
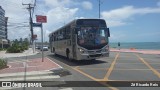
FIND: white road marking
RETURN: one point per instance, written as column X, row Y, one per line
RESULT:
column 30, row 78
column 66, row 89
column 27, row 73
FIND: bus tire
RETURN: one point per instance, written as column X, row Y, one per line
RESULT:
column 67, row 54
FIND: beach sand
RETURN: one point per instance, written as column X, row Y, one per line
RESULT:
column 143, row 51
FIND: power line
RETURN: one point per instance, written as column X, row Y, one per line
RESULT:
column 30, row 8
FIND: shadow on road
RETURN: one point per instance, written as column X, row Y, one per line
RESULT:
column 76, row 62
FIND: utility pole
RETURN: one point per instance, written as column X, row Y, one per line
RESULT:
column 30, row 7
column 99, row 8
column 30, row 20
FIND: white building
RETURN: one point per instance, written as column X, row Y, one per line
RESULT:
column 3, row 28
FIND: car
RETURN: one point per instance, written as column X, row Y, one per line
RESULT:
column 45, row 48
column 38, row 47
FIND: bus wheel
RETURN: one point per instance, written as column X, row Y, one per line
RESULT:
column 67, row 54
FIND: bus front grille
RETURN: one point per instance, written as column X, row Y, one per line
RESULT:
column 96, row 55
column 92, row 52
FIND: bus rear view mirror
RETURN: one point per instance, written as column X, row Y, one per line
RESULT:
column 108, row 32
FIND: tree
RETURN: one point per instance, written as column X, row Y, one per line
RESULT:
column 20, row 40
column 16, row 41
column 26, row 41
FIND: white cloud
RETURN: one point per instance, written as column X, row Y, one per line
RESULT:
column 46, row 32
column 58, row 3
column 118, row 17
column 18, row 15
column 57, row 14
column 79, row 17
column 112, row 23
column 14, row 9
column 158, row 3
column 115, row 37
column 87, row 5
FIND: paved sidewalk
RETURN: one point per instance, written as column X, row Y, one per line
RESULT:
column 31, row 65
column 33, row 70
column 28, row 52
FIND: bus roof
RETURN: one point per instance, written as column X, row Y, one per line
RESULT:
column 78, row 22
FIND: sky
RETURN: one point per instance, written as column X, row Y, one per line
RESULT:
column 128, row 20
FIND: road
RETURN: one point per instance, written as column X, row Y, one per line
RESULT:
column 117, row 67
column 92, row 75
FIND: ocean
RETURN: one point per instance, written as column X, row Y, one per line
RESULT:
column 137, row 45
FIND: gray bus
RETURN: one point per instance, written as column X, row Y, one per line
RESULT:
column 81, row 39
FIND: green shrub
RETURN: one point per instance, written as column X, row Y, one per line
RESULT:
column 2, row 49
column 15, row 49
column 18, row 47
column 3, row 63
column 21, row 48
column 25, row 47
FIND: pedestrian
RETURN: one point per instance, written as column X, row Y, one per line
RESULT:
column 119, row 45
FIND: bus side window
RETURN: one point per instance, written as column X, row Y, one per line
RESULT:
column 56, row 36
column 53, row 37
column 68, row 32
column 63, row 34
column 60, row 35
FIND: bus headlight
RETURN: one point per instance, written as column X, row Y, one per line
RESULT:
column 104, row 50
column 82, row 50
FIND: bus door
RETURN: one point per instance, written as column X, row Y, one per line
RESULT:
column 73, row 44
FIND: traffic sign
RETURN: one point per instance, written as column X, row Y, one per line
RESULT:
column 36, row 24
column 34, row 36
column 40, row 18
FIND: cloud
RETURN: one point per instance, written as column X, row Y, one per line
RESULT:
column 158, row 3
column 115, row 37
column 58, row 12
column 14, row 9
column 46, row 33
column 118, row 17
column 87, row 5
column 59, row 3
column 59, row 16
column 18, row 18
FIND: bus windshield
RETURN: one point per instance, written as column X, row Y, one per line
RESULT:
column 92, row 37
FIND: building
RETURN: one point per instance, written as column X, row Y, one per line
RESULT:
column 3, row 28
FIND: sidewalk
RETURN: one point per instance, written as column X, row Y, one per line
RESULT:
column 31, row 65
column 29, row 70
column 136, row 51
column 28, row 52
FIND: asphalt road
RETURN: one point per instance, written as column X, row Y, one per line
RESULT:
column 127, row 67
column 92, row 75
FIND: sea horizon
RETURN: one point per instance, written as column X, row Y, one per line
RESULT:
column 136, row 45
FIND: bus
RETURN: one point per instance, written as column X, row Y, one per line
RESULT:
column 81, row 39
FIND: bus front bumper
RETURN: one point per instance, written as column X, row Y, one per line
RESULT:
column 92, row 56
